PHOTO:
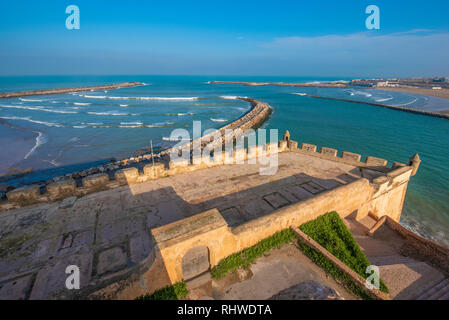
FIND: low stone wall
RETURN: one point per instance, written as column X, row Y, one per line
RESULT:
column 420, row 248
column 355, row 277
column 102, row 181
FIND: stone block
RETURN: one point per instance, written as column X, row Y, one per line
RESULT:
column 25, row 195
column 329, row 152
column 283, row 145
column 154, row 172
column 96, row 181
column 308, row 147
column 351, row 156
column 127, row 176
column 376, row 162
column 195, row 262
column 292, row 145
column 62, row 189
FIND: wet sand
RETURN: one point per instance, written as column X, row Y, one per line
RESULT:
column 15, row 144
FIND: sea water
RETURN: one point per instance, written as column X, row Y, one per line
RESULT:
column 79, row 130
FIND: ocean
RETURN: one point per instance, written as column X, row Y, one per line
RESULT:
column 58, row 134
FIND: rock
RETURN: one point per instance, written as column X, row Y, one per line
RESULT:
column 67, row 202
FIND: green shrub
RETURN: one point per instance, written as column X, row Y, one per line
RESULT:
column 174, row 292
column 331, row 233
column 246, row 257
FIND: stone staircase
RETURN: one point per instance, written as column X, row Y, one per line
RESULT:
column 440, row 291
column 407, row 278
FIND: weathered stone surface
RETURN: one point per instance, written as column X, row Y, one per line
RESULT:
column 25, row 195
column 195, row 262
column 140, row 247
column 16, row 289
column 373, row 161
column 308, row 147
column 312, row 187
column 61, row 189
column 276, row 200
column 308, row 290
column 111, row 260
column 50, row 280
column 329, row 152
column 96, row 181
column 127, row 176
column 154, row 171
column 351, row 156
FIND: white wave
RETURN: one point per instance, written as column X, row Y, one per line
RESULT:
column 131, row 123
column 82, row 103
column 361, row 93
column 36, row 108
column 94, row 123
column 159, row 125
column 48, row 124
column 31, row 100
column 386, row 99
column 79, row 127
column 218, row 120
column 229, row 97
column 109, row 113
column 40, row 140
column 300, row 93
column 124, row 105
column 74, row 139
column 406, row 104
column 142, row 98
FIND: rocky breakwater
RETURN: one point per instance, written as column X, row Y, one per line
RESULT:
column 68, row 90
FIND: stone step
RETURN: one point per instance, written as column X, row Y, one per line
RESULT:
column 391, row 260
column 408, row 280
column 440, row 290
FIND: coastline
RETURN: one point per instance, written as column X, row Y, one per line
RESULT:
column 439, row 93
column 68, row 90
column 442, row 114
column 16, row 143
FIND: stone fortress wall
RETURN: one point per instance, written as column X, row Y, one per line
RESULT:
column 209, row 233
column 207, row 236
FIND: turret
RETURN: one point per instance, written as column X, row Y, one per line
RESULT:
column 287, row 136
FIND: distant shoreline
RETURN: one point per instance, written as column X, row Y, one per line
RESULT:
column 68, row 90
column 442, row 114
column 439, row 93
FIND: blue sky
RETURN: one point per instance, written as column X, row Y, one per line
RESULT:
column 295, row 38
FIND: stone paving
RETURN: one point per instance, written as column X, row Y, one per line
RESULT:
column 107, row 234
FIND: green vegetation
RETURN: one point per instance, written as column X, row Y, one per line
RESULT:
column 331, row 233
column 174, row 292
column 246, row 257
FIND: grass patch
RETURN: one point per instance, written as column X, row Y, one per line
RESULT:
column 246, row 257
column 331, row 233
column 174, row 292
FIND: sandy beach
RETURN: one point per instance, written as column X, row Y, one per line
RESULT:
column 439, row 93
